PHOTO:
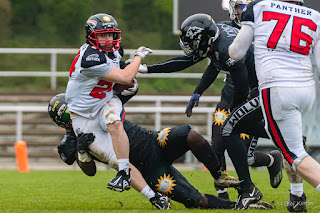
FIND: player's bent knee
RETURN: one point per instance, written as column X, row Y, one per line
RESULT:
column 298, row 160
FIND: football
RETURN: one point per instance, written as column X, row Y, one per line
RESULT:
column 120, row 87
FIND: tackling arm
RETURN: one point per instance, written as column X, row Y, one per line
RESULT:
column 241, row 44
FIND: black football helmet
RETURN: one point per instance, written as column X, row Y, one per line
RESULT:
column 99, row 24
column 197, row 33
column 59, row 112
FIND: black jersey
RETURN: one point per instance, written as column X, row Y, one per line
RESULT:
column 242, row 72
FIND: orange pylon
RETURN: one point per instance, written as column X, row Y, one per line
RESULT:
column 22, row 156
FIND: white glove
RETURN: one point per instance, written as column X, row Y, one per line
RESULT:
column 131, row 90
column 143, row 68
column 143, row 52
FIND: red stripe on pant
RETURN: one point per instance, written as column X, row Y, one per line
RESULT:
column 272, row 124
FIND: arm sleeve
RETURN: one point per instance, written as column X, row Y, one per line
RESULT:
column 241, row 44
column 172, row 65
column 208, row 77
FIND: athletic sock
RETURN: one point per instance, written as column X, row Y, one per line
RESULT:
column 220, row 191
column 318, row 188
column 238, row 155
column 262, row 159
column 123, row 164
column 208, row 157
column 147, row 192
column 296, row 189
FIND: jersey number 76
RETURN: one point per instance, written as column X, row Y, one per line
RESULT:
column 296, row 34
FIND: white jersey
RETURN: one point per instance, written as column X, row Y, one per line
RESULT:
column 86, row 94
column 284, row 37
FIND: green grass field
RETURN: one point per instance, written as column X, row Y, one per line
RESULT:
column 72, row 191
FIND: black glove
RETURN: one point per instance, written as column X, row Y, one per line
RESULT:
column 84, row 140
column 68, row 148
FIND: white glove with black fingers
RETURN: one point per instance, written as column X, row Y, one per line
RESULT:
column 131, row 90
column 143, row 52
column 143, row 68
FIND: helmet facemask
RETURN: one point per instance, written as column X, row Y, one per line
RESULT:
column 106, row 45
column 233, row 12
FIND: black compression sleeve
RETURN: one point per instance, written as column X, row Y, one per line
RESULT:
column 172, row 65
column 208, row 77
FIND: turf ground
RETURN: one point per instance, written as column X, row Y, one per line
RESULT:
column 72, row 191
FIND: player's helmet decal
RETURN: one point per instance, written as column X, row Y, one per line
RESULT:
column 193, row 32
column 163, row 137
column 166, row 184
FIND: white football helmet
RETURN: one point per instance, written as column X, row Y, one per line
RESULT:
column 234, row 15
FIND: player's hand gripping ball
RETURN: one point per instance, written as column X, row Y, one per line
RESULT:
column 119, row 88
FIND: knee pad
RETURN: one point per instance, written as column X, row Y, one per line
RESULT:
column 111, row 112
column 298, row 160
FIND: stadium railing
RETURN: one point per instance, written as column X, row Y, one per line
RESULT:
column 54, row 73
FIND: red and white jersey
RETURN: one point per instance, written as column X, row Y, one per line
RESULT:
column 284, row 37
column 86, row 94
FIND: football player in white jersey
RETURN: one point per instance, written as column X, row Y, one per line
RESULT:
column 284, row 33
column 92, row 104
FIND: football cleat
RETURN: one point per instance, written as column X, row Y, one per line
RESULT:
column 261, row 205
column 253, row 195
column 121, row 182
column 275, row 170
column 160, row 201
column 226, row 181
column 297, row 204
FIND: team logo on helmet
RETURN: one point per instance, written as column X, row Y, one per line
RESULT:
column 220, row 116
column 106, row 18
column 165, row 184
column 193, row 32
column 163, row 137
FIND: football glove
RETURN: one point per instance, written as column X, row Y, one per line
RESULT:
column 84, row 140
column 67, row 148
column 143, row 68
column 132, row 90
column 143, row 52
column 194, row 101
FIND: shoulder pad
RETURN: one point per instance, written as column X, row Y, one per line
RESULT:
column 92, row 57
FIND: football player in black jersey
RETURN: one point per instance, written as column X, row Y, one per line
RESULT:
column 200, row 38
column 152, row 153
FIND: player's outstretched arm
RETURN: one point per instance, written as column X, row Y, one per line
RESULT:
column 241, row 44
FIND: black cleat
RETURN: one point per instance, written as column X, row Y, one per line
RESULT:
column 121, row 182
column 297, row 204
column 275, row 170
column 160, row 201
column 261, row 205
column 253, row 195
